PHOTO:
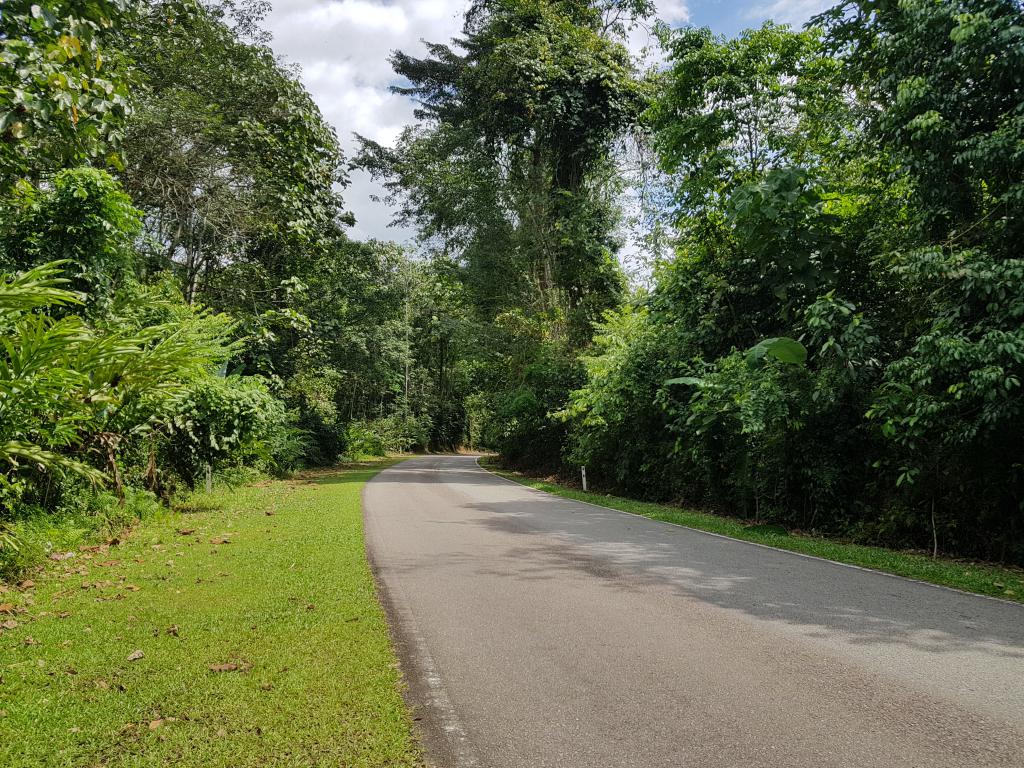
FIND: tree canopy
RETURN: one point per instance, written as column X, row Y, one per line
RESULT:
column 831, row 341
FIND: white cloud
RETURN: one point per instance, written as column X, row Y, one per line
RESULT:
column 641, row 38
column 343, row 48
column 673, row 11
column 360, row 14
column 793, row 12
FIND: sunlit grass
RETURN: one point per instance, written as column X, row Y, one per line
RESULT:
column 271, row 579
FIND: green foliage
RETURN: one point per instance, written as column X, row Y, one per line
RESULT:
column 82, row 516
column 397, row 433
column 71, row 394
column 220, row 418
column 540, row 374
column 63, row 92
column 87, row 394
column 619, row 397
column 85, row 221
column 226, row 153
column 875, row 289
column 728, row 109
column 950, row 76
column 783, row 349
column 41, row 392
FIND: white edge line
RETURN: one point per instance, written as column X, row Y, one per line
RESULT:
column 753, row 543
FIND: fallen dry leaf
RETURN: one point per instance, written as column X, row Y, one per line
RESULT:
column 103, row 685
column 9, row 624
column 26, row 584
column 58, row 556
column 220, row 540
column 154, row 724
column 63, row 614
column 6, row 608
column 29, row 640
column 186, row 531
column 173, row 630
column 243, row 666
column 132, row 587
column 136, row 655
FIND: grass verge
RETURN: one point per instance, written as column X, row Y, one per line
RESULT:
column 982, row 578
column 246, row 633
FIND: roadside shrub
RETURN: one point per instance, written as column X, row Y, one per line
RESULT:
column 397, row 433
column 522, row 426
column 220, row 420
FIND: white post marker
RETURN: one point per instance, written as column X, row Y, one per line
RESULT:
column 583, row 471
column 209, row 479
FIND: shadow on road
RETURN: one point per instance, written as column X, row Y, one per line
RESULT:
column 823, row 599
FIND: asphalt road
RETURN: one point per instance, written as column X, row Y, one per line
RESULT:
column 537, row 631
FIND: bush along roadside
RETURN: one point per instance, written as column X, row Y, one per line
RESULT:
column 979, row 577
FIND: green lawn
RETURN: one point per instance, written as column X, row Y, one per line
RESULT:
column 255, row 631
column 983, row 578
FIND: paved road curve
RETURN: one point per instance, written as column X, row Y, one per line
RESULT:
column 536, row 631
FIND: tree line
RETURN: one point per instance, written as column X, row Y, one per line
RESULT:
column 179, row 294
column 830, row 338
column 833, row 335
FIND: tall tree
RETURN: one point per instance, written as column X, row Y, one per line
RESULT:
column 226, row 152
column 509, row 171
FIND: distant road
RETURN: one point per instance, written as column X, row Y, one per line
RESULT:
column 535, row 631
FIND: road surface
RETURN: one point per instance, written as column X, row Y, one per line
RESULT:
column 536, row 631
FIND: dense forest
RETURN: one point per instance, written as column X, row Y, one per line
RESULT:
column 830, row 337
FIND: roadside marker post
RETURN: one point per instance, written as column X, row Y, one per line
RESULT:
column 583, row 471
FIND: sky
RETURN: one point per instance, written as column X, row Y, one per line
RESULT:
column 342, row 48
